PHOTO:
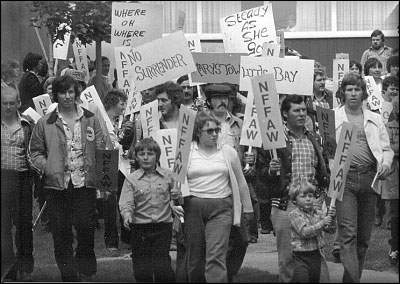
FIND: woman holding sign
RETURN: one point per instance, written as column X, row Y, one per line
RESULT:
column 218, row 190
column 355, row 213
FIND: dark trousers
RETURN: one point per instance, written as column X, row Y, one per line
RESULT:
column 181, row 257
column 73, row 207
column 125, row 233
column 253, row 224
column 238, row 242
column 150, row 252
column 265, row 215
column 307, row 266
column 110, row 220
column 394, row 224
column 16, row 209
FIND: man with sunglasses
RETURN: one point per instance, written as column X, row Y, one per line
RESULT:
column 217, row 99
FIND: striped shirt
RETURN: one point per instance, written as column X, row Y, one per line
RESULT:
column 306, row 229
column 74, row 170
column 13, row 154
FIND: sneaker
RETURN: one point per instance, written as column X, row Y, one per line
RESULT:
column 336, row 256
column 394, row 256
column 172, row 247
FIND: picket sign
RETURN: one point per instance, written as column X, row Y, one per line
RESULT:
column 292, row 76
column 271, row 49
column 184, row 138
column 340, row 68
column 150, row 119
column 166, row 139
column 387, row 108
column 107, row 169
column 60, row 48
column 326, row 123
column 81, row 60
column 374, row 95
column 269, row 117
column 32, row 114
column 246, row 31
column 42, row 103
column 133, row 24
column 341, row 163
column 250, row 134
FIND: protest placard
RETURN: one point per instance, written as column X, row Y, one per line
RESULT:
column 159, row 61
column 374, row 95
column 292, row 76
column 266, row 100
column 184, row 140
column 387, row 108
column 42, row 103
column 340, row 67
column 91, row 101
column 60, row 47
column 150, row 119
column 271, row 49
column 326, row 124
column 133, row 24
column 125, row 80
column 193, row 42
column 246, row 31
column 217, row 67
column 32, row 114
column 341, row 164
column 81, row 60
column 107, row 170
column 166, row 139
column 250, row 135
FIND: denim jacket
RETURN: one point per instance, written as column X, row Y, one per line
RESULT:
column 48, row 149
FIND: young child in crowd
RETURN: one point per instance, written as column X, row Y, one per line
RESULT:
column 307, row 223
column 146, row 201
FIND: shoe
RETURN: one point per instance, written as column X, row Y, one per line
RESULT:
column 265, row 231
column 378, row 221
column 85, row 278
column 25, row 276
column 388, row 225
column 172, row 247
column 336, row 256
column 394, row 256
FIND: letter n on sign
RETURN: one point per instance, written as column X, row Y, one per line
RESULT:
column 107, row 170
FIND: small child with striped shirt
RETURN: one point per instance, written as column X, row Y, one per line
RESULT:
column 307, row 225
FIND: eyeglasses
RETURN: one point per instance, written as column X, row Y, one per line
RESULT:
column 210, row 131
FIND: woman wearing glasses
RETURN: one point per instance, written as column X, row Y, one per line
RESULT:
column 218, row 193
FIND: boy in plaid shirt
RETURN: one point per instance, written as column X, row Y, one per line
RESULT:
column 307, row 224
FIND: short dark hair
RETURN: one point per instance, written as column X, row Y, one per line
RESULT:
column 202, row 117
column 371, row 62
column 182, row 79
column 378, row 33
column 150, row 144
column 319, row 72
column 358, row 64
column 390, row 80
column 113, row 97
column 62, row 84
column 291, row 99
column 173, row 91
column 31, row 60
column 392, row 61
column 355, row 80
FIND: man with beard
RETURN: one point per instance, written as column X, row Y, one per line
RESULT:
column 378, row 49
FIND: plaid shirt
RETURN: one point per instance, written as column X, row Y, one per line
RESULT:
column 306, row 229
column 13, row 153
column 74, row 169
column 304, row 158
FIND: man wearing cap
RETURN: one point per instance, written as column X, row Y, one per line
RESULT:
column 217, row 99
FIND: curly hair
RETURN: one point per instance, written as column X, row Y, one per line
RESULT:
column 113, row 97
column 62, row 84
column 173, row 91
column 355, row 80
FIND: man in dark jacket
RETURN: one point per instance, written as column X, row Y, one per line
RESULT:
column 301, row 159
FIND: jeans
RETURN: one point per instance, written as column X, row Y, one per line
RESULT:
column 16, row 208
column 150, row 252
column 281, row 223
column 307, row 266
column 355, row 215
column 73, row 207
column 208, row 223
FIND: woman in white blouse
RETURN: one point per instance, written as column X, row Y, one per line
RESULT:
column 218, row 193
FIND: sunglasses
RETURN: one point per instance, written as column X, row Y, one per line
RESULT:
column 210, row 131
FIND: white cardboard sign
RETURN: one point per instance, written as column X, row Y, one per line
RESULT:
column 150, row 119
column 166, row 139
column 246, row 31
column 271, row 49
column 250, row 135
column 374, row 95
column 292, row 76
column 42, row 104
column 81, row 60
column 60, row 48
